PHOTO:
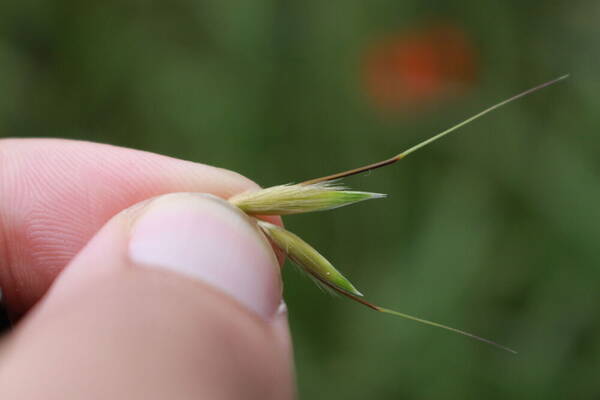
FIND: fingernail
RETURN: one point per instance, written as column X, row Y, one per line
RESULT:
column 205, row 238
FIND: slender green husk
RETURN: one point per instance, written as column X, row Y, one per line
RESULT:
column 298, row 199
column 317, row 267
column 322, row 194
column 307, row 258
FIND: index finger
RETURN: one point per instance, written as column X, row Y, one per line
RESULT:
column 55, row 194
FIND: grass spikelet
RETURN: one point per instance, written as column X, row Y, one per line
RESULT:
column 319, row 269
column 308, row 259
column 297, row 199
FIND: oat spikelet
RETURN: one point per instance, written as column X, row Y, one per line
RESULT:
column 324, row 274
column 308, row 259
column 297, row 199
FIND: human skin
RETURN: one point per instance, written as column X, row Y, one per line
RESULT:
column 118, row 293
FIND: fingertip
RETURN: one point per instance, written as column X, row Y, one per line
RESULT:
column 56, row 194
column 155, row 304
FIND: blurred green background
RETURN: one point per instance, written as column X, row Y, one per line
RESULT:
column 494, row 230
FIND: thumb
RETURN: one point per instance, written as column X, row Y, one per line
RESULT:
column 178, row 297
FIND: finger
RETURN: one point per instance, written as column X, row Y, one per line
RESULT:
column 56, row 194
column 179, row 298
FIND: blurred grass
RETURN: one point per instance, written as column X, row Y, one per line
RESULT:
column 494, row 230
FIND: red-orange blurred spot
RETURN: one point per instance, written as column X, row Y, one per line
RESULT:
column 416, row 69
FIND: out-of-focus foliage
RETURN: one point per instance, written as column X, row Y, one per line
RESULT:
column 494, row 230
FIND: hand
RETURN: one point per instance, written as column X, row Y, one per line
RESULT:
column 176, row 297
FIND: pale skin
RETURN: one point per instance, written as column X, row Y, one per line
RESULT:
column 108, row 328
